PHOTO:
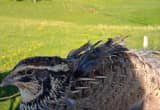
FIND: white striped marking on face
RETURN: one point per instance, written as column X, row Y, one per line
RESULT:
column 56, row 68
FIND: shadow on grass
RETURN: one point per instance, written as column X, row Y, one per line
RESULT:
column 8, row 91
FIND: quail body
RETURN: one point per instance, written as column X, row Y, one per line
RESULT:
column 100, row 76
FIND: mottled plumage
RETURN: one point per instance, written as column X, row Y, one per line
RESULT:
column 93, row 77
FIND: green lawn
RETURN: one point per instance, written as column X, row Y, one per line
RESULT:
column 54, row 27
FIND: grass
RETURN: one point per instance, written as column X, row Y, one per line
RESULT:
column 54, row 27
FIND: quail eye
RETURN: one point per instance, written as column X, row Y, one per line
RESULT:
column 29, row 72
column 25, row 79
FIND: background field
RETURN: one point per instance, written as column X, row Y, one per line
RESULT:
column 54, row 27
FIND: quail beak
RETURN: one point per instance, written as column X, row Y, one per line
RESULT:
column 7, row 81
